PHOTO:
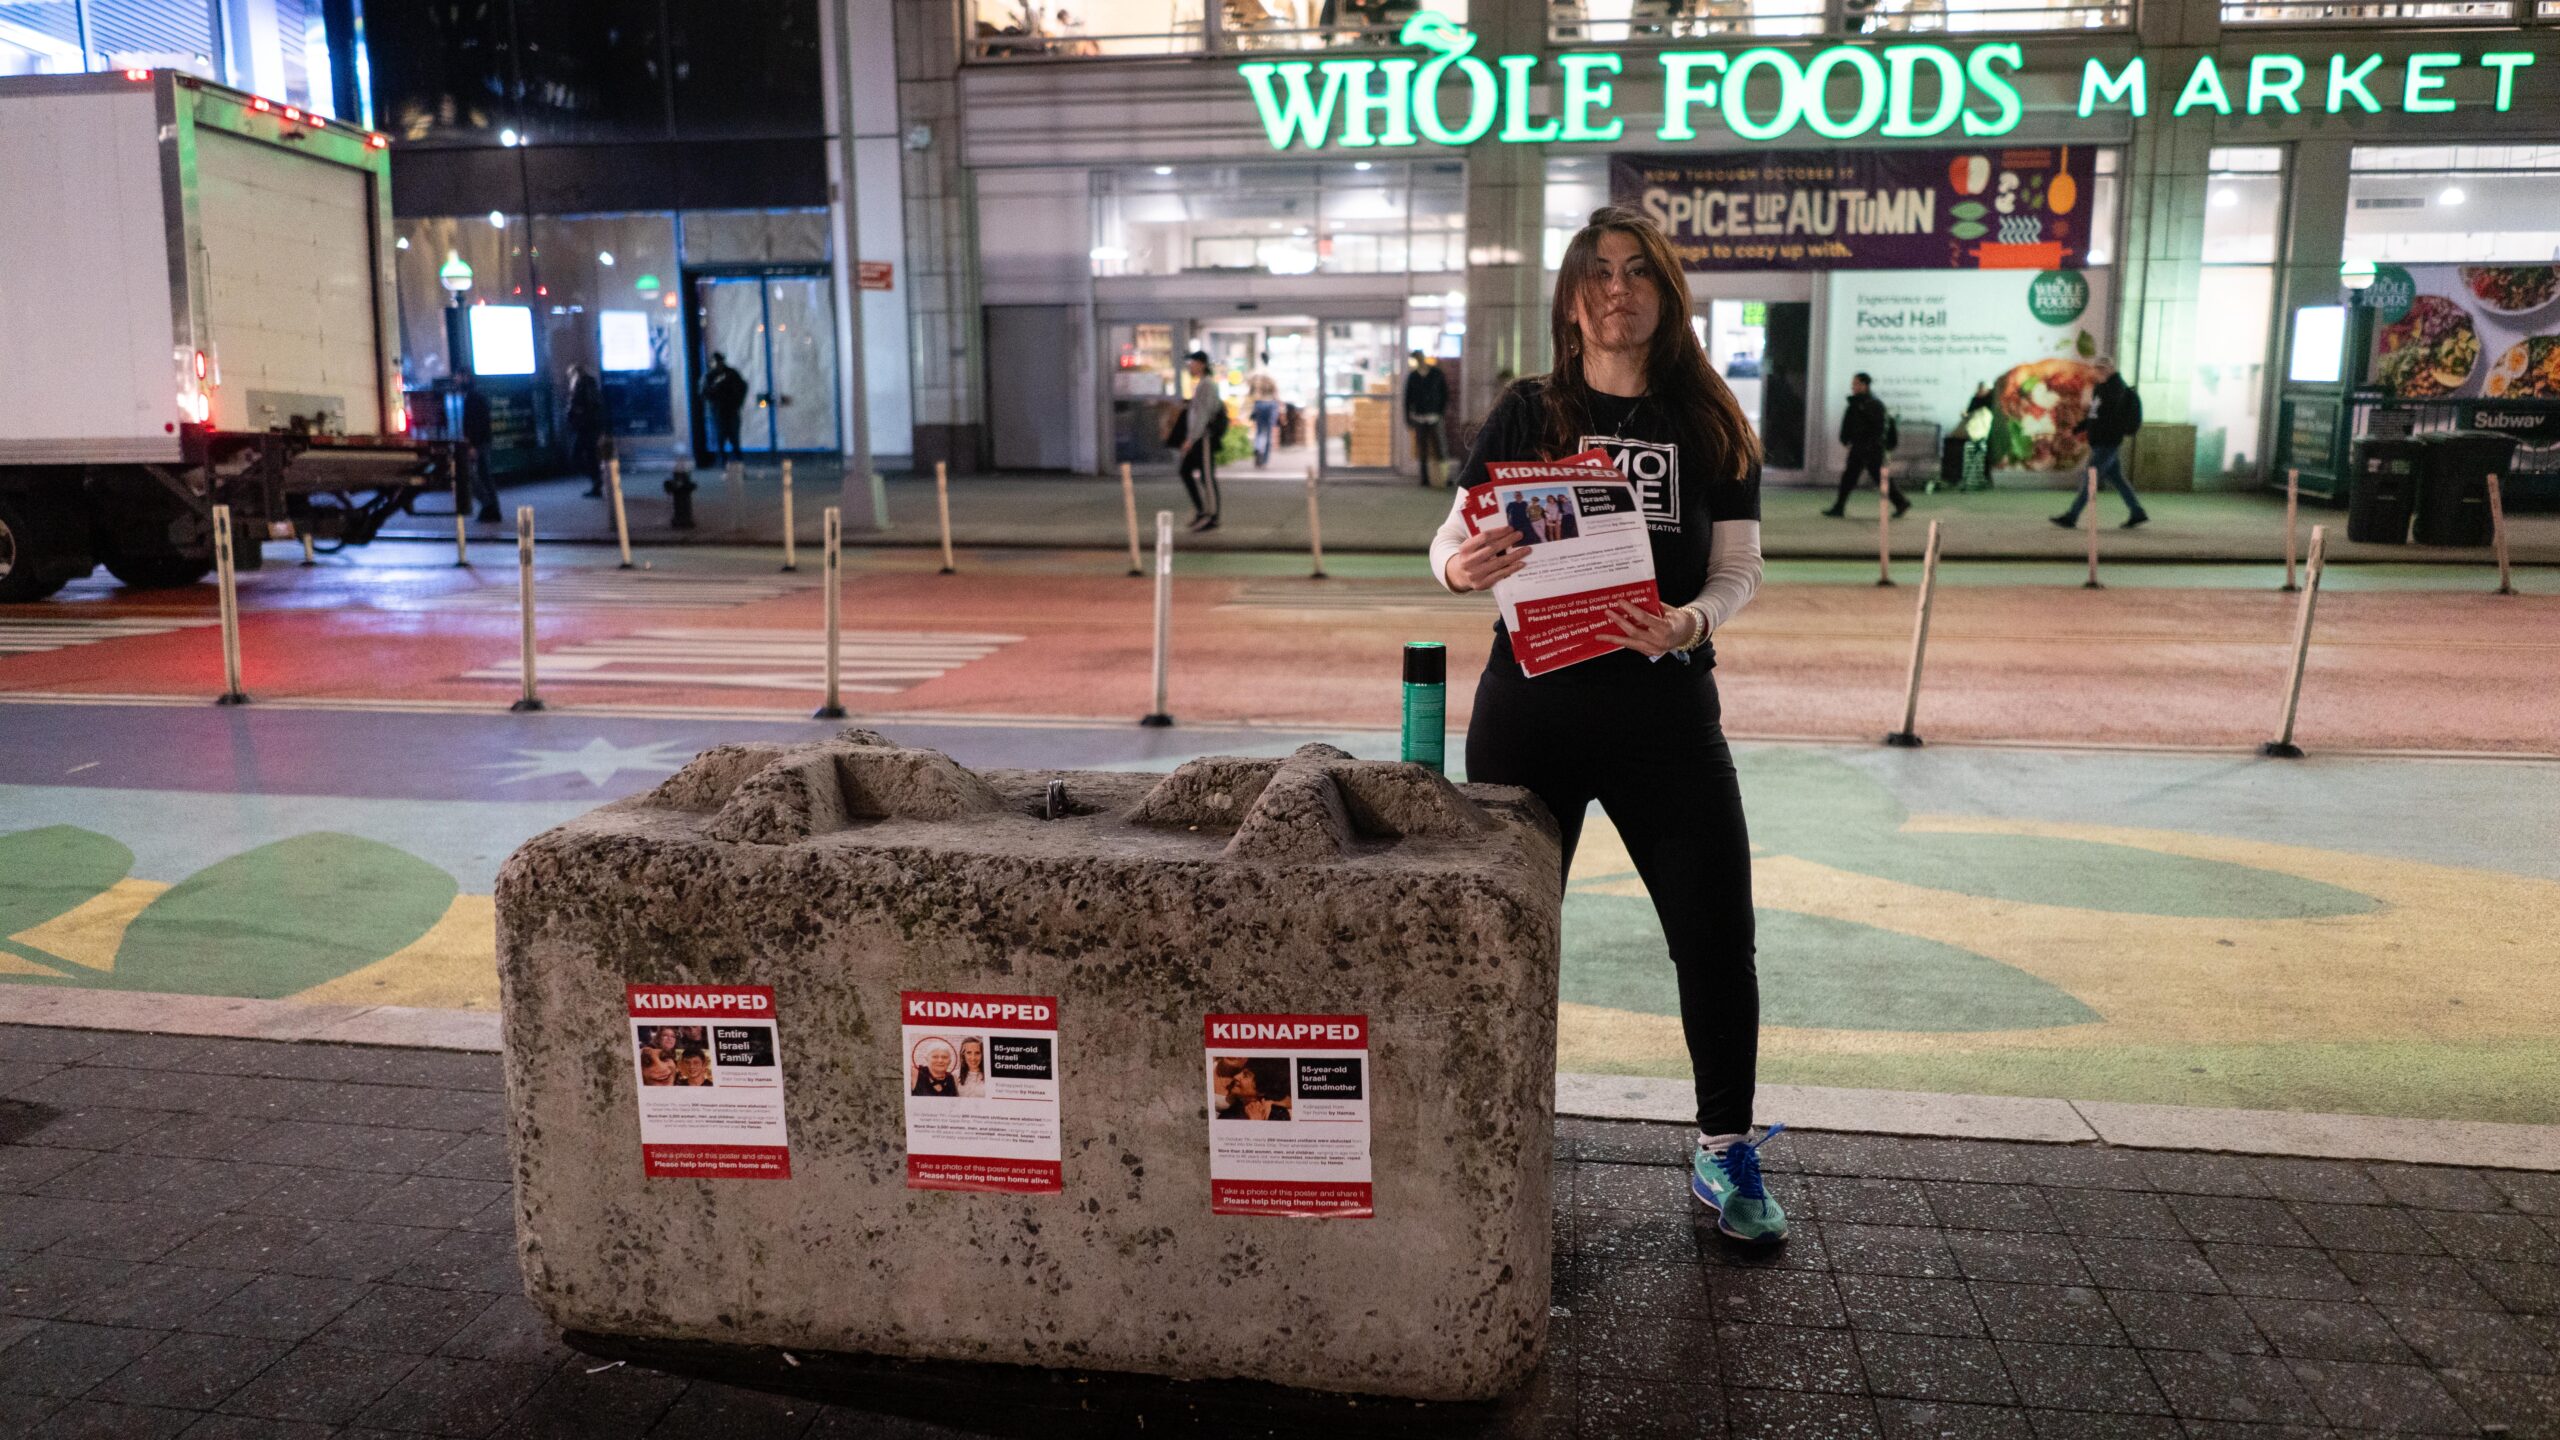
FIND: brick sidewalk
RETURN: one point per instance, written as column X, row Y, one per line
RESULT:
column 237, row 1238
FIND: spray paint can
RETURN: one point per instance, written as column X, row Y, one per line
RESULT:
column 1426, row 703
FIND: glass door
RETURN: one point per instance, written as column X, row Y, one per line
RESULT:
column 778, row 331
column 1362, row 426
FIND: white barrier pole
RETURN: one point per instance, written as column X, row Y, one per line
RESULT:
column 833, row 566
column 462, row 539
column 621, row 519
column 2092, row 582
column 2283, row 746
column 2292, row 505
column 1129, row 507
column 1315, row 528
column 308, row 559
column 227, row 582
column 1160, row 716
column 790, row 539
column 1884, row 524
column 2498, row 537
column 942, row 505
column 531, row 700
column 1908, row 737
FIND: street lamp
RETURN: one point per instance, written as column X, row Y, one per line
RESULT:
column 454, row 274
column 2356, row 274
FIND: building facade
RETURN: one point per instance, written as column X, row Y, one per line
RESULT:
column 1943, row 193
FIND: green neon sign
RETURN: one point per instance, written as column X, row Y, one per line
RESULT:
column 1451, row 96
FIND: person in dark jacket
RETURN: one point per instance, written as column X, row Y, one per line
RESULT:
column 1862, row 430
column 1426, row 409
column 2115, row 412
column 724, row 395
column 585, row 424
column 476, row 431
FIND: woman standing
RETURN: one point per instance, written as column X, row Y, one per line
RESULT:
column 1641, row 731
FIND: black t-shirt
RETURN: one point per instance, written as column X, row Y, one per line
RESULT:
column 1685, row 492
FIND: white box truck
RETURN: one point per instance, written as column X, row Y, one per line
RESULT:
column 196, row 308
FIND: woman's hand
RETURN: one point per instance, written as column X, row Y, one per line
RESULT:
column 1648, row 633
column 1486, row 560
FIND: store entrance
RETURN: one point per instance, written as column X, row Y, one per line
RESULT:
column 775, row 326
column 1302, row 392
column 1758, row 332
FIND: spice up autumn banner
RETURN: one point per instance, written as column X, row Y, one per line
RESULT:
column 1984, row 208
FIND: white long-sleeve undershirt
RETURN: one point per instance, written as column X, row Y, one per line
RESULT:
column 1733, row 562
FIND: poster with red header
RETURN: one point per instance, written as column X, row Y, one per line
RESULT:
column 1582, row 529
column 709, row 1061
column 1311, row 1072
column 981, row 1080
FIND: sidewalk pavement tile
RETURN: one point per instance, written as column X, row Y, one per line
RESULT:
column 2492, row 1237
column 2114, row 1214
column 2232, row 1218
column 191, row 1372
column 1786, row 1415
column 258, row 1427
column 2534, row 1192
column 2433, row 1187
column 2205, row 1385
column 2159, row 1320
column 2470, row 1339
column 1945, row 1420
column 1786, row 1357
column 2365, row 1227
column 1777, row 1297
column 158, row 1296
column 97, row 1420
column 2529, row 1405
column 2033, row 1258
column 1934, row 1367
column 2078, row 1377
column 2278, row 1270
column 1624, row 1343
column 1873, row 1202
column 2176, row 1172
column 2438, row 1280
column 1962, row 1205
column 1912, row 1306
column 281, row 1307
column 2063, row 1314
column 730, row 1413
column 2149, row 1265
column 1888, row 1250
column 62, row 1358
column 2326, row 1330
column 2325, row 1182
column 2524, row 1285
column 2397, row 1399
column 448, row 1395
column 1646, row 1409
column 408, row 1319
column 593, row 1397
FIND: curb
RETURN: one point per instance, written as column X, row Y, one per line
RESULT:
column 2479, row 1144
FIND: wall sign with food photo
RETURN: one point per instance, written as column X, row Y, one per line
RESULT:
column 1929, row 338
column 2491, row 331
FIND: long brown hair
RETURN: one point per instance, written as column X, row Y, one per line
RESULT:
column 1677, row 375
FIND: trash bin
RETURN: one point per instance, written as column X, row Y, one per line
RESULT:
column 2453, row 491
column 2384, row 490
column 1142, row 972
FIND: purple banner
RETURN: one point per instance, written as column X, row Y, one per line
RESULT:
column 1992, row 208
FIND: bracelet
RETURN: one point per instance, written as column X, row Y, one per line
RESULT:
column 1693, row 608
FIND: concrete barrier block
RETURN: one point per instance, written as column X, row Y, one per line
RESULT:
column 843, row 873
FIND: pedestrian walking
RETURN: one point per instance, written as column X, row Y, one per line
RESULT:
column 1264, row 393
column 584, row 420
column 724, row 397
column 1197, row 428
column 1867, row 429
column 1426, row 406
column 476, row 434
column 2115, row 413
column 1641, row 732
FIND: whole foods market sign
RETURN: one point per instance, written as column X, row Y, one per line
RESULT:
column 1452, row 96
column 1987, row 207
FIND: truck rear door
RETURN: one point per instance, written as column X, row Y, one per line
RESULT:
column 289, row 296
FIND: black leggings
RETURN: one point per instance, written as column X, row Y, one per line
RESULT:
column 1650, row 748
column 1200, row 478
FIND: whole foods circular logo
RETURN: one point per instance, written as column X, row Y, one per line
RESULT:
column 2057, row 297
column 2391, row 294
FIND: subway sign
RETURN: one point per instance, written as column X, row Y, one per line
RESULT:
column 1894, row 92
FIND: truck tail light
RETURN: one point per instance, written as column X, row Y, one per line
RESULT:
column 259, row 102
column 378, row 142
column 291, row 113
column 400, row 419
column 137, row 74
column 200, row 365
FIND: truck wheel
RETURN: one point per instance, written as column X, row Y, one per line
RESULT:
column 158, row 572
column 26, row 568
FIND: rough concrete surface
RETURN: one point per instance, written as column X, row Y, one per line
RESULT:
column 844, row 872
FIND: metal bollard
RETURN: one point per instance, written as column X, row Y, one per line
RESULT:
column 1908, row 737
column 2282, row 746
column 942, row 504
column 2092, row 582
column 621, row 520
column 227, row 581
column 308, row 559
column 1315, row 528
column 2498, row 538
column 1160, row 716
column 461, row 540
column 790, row 539
column 1884, row 525
column 833, row 566
column 2292, row 504
column 1129, row 507
column 532, row 699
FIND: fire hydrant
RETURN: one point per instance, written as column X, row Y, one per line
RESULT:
column 681, row 486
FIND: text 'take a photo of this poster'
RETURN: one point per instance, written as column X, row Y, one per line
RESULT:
column 1289, row 1115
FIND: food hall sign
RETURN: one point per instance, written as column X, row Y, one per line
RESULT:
column 1896, row 92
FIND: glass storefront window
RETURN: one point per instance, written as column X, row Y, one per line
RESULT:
column 592, row 70
column 2243, row 223
column 1344, row 218
column 2454, row 202
column 1073, row 29
column 1600, row 22
column 493, row 246
column 738, row 237
column 2328, row 12
column 613, row 307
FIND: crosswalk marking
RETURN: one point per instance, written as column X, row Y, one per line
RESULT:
column 34, row 636
column 621, row 590
column 874, row 662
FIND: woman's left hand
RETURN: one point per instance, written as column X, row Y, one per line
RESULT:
column 1648, row 633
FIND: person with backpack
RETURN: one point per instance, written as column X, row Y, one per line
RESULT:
column 1867, row 429
column 1197, row 428
column 2115, row 413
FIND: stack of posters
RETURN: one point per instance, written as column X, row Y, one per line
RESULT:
column 1583, row 531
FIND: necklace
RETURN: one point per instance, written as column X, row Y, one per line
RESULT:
column 1634, row 408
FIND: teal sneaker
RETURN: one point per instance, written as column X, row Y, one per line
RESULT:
column 1729, row 1184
